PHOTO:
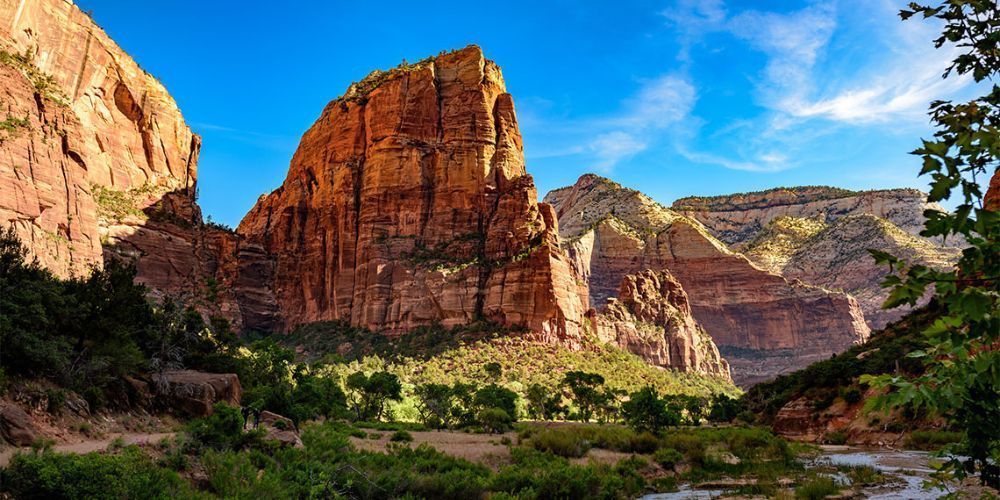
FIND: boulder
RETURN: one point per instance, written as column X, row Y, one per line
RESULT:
column 193, row 393
column 16, row 426
column 280, row 429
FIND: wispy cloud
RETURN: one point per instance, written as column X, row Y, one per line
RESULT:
column 658, row 105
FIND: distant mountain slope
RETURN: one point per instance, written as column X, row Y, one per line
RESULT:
column 835, row 255
column 738, row 218
column 762, row 323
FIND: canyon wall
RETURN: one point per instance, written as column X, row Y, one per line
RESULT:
column 651, row 317
column 97, row 160
column 835, row 256
column 736, row 219
column 407, row 203
column 763, row 323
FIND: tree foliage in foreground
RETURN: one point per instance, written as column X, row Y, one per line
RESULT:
column 962, row 377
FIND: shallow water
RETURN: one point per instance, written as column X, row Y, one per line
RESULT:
column 909, row 469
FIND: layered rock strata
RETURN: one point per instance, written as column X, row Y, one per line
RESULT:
column 737, row 219
column 763, row 323
column 408, row 203
column 835, row 256
column 651, row 317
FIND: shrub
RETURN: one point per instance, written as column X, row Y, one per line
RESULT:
column 561, row 443
column 668, row 457
column 401, row 436
column 931, row 440
column 494, row 420
column 817, row 488
column 852, row 395
column 835, row 437
column 129, row 474
column 222, row 430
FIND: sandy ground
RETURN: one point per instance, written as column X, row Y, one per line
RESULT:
column 486, row 449
column 93, row 445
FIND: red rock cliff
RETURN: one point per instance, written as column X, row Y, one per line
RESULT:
column 763, row 323
column 98, row 160
column 408, row 203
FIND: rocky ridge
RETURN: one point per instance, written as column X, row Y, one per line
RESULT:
column 651, row 317
column 98, row 161
column 836, row 256
column 763, row 323
column 738, row 218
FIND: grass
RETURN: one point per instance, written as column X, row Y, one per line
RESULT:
column 43, row 83
column 817, row 488
column 931, row 440
column 13, row 126
column 862, row 475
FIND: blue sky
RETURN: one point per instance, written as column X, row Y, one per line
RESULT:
column 672, row 97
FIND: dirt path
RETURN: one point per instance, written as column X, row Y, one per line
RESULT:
column 93, row 445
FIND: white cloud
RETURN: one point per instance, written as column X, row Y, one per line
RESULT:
column 612, row 147
column 767, row 162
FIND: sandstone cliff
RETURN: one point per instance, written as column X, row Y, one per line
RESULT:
column 763, row 323
column 97, row 160
column 408, row 203
column 835, row 256
column 736, row 219
column 651, row 317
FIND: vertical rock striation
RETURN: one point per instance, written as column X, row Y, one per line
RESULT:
column 651, row 317
column 96, row 160
column 408, row 203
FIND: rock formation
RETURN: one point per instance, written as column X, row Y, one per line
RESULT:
column 408, row 203
column 763, row 323
column 97, row 161
column 651, row 317
column 738, row 218
column 193, row 393
column 835, row 256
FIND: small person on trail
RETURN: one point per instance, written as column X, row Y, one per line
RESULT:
column 247, row 411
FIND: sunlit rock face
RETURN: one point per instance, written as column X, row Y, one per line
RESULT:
column 651, row 317
column 763, row 323
column 98, row 161
column 408, row 203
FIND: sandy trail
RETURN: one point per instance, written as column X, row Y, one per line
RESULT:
column 93, row 445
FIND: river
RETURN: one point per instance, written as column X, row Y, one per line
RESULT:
column 907, row 470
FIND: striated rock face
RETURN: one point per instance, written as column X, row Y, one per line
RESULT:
column 763, row 323
column 736, row 219
column 408, row 203
column 835, row 256
column 97, row 161
column 652, row 318
column 93, row 119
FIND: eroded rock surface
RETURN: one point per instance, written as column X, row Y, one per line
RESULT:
column 651, row 317
column 763, row 323
column 835, row 256
column 408, row 203
column 193, row 393
column 735, row 219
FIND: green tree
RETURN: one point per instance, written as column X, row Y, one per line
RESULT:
column 435, row 405
column 495, row 396
column 493, row 370
column 646, row 411
column 586, row 392
column 369, row 395
column 544, row 403
column 961, row 379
